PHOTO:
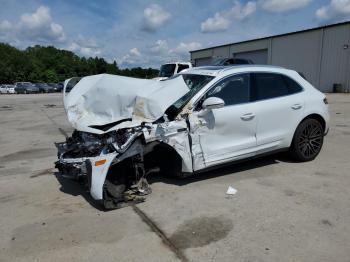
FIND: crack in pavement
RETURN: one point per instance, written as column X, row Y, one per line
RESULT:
column 64, row 133
column 160, row 233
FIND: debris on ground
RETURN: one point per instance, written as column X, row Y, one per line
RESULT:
column 231, row 191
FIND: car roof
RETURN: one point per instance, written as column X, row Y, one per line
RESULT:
column 172, row 63
column 226, row 70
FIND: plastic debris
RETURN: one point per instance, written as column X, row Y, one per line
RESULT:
column 231, row 191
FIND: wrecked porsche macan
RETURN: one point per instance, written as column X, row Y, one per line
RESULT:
column 127, row 128
column 123, row 134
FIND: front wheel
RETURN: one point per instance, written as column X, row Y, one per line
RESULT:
column 307, row 141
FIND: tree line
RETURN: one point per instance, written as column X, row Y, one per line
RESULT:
column 48, row 64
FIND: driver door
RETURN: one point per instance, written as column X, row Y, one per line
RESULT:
column 227, row 133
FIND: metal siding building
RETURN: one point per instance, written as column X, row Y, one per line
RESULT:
column 322, row 54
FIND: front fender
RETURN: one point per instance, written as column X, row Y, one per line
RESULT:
column 99, row 173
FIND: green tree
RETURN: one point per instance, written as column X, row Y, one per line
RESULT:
column 49, row 64
column 51, row 76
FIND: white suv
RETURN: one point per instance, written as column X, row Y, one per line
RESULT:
column 200, row 118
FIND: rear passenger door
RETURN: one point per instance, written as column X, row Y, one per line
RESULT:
column 279, row 106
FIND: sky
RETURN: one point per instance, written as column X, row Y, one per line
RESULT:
column 148, row 33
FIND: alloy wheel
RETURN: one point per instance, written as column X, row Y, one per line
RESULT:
column 310, row 140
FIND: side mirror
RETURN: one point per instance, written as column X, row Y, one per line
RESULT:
column 213, row 103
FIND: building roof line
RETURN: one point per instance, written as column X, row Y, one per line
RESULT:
column 272, row 36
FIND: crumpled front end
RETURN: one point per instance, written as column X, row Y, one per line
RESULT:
column 123, row 134
column 86, row 156
column 114, row 165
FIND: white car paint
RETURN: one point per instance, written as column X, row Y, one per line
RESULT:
column 218, row 135
column 139, row 100
column 11, row 90
column 225, row 136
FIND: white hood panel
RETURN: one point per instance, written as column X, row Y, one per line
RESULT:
column 104, row 99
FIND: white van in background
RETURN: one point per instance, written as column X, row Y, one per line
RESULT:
column 170, row 69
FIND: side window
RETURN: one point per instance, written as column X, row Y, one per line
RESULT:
column 233, row 90
column 239, row 61
column 229, row 62
column 268, row 85
column 293, row 86
column 182, row 67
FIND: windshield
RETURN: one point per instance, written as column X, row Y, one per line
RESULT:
column 167, row 70
column 195, row 84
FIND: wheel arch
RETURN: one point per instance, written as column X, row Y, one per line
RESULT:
column 317, row 117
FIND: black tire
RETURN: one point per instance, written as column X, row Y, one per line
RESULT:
column 307, row 141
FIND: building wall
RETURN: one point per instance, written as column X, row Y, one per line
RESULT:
column 300, row 52
column 319, row 54
column 221, row 51
column 335, row 59
column 257, row 56
column 249, row 46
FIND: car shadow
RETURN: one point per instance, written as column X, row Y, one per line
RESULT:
column 230, row 168
column 76, row 188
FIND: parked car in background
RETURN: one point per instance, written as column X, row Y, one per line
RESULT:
column 11, row 89
column 170, row 69
column 198, row 119
column 231, row 61
column 57, row 87
column 7, row 89
column 3, row 89
column 25, row 88
column 44, row 88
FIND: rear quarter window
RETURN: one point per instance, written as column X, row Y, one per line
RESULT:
column 293, row 86
column 272, row 85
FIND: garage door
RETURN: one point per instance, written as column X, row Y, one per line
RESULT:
column 258, row 57
column 203, row 61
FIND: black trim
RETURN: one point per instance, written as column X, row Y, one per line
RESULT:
column 110, row 125
column 234, row 162
column 88, row 172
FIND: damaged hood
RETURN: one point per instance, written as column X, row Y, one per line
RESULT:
column 102, row 103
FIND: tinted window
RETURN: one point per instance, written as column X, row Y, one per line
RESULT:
column 166, row 70
column 182, row 67
column 267, row 85
column 239, row 61
column 233, row 90
column 229, row 62
column 293, row 86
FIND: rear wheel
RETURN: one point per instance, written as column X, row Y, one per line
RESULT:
column 307, row 141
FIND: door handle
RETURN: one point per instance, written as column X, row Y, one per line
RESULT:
column 247, row 117
column 296, row 106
